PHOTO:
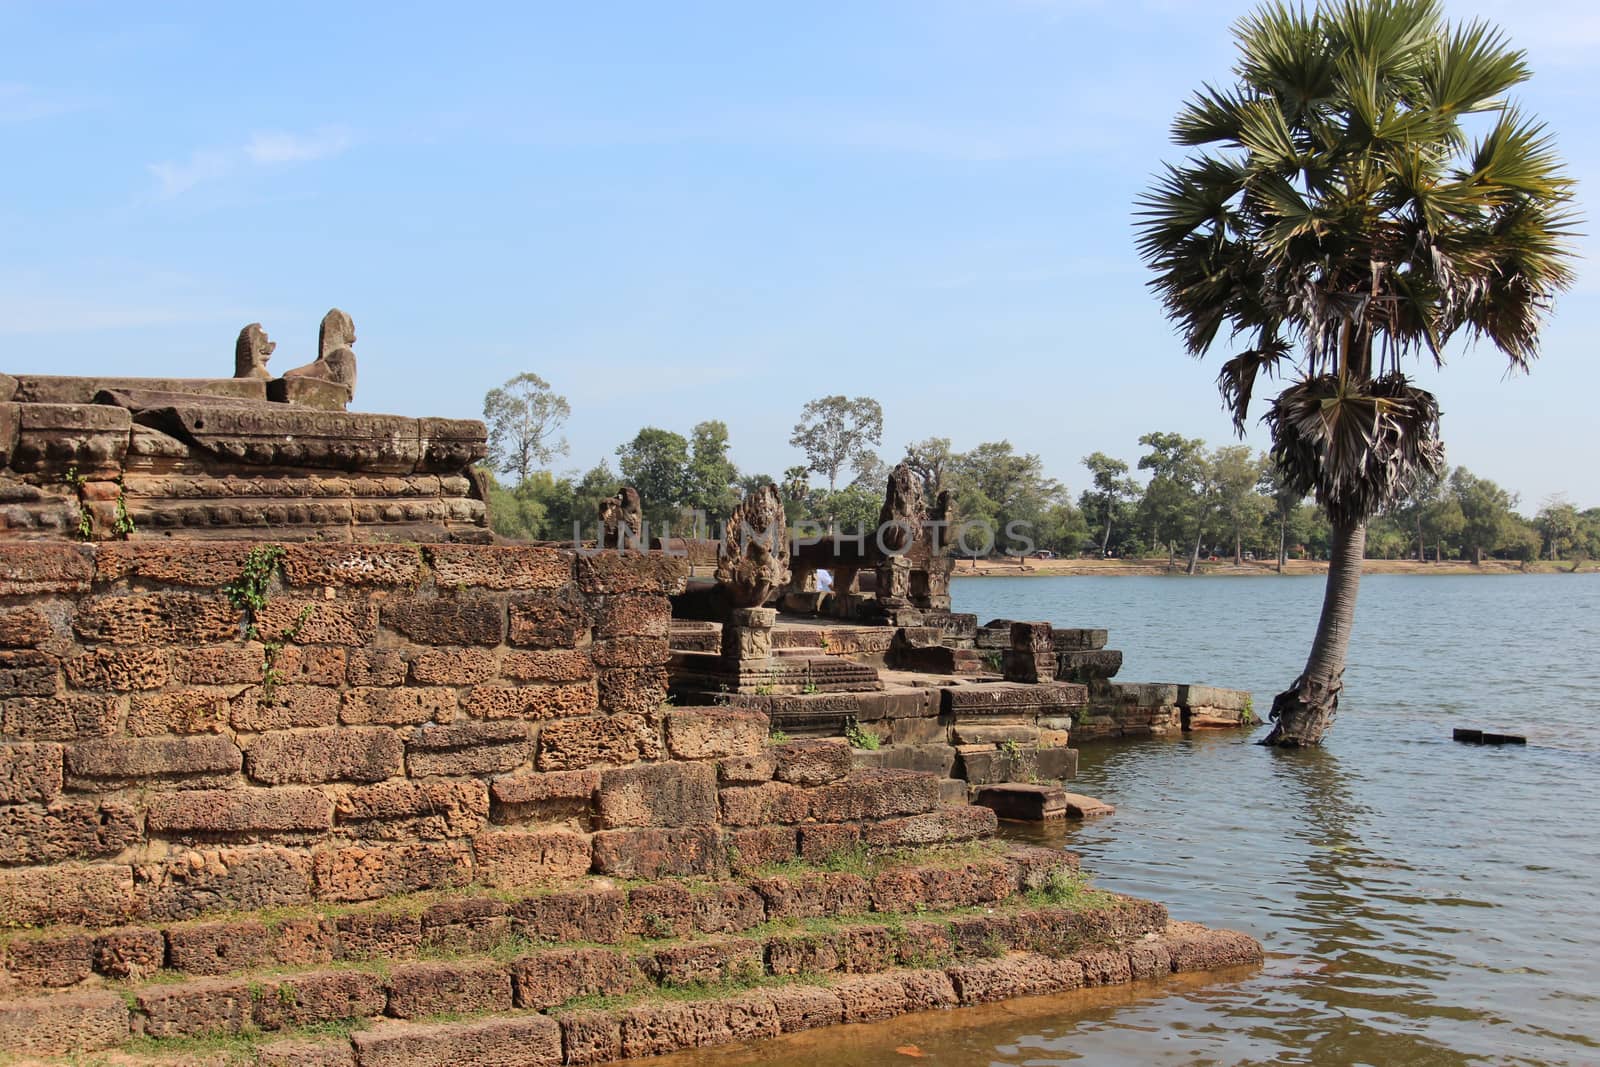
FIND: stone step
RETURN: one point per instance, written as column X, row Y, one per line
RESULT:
column 1109, row 937
column 589, row 910
column 1038, row 803
column 922, row 966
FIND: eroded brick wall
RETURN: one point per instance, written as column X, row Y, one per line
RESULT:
column 437, row 715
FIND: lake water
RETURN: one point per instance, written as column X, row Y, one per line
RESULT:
column 1421, row 901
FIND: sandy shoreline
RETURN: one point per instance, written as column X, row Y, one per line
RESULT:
column 1077, row 568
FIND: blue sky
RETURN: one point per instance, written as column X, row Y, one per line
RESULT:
column 682, row 211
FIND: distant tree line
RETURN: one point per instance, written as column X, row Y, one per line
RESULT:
column 1182, row 500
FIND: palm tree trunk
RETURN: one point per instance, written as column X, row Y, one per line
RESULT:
column 1194, row 556
column 1422, row 552
column 1283, row 543
column 1105, row 538
column 1238, row 554
column 1303, row 713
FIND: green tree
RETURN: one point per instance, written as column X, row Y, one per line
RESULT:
column 1174, row 504
column 1110, row 491
column 1413, row 507
column 1342, row 221
column 838, row 432
column 1009, row 491
column 1235, row 472
column 1486, row 513
column 656, row 463
column 711, row 475
column 1283, row 505
column 1559, row 524
column 930, row 460
column 523, row 416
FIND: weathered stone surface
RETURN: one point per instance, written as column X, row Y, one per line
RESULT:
column 658, row 794
column 429, row 808
column 50, row 962
column 463, row 988
column 309, row 998
column 945, row 826
column 630, row 652
column 544, row 795
column 595, row 915
column 312, row 621
column 207, row 1006
column 530, row 702
column 345, row 564
column 546, row 979
column 711, row 733
column 27, row 568
column 156, row 619
column 755, row 847
column 466, row 925
column 654, row 853
column 590, row 1037
column 66, row 830
column 285, row 707
column 295, row 1052
column 119, row 669
column 1017, row 975
column 457, row 620
column 637, row 615
column 812, row 896
column 548, row 665
column 811, row 763
column 554, row 620
column 574, row 744
column 378, row 935
column 870, row 997
column 706, row 962
column 609, row 573
column 401, row 706
column 220, row 664
column 764, row 804
column 875, row 795
column 375, row 667
column 219, row 947
column 354, row 754
column 91, row 764
column 453, row 666
column 30, row 772
column 186, row 883
column 632, row 690
column 24, row 627
column 500, row 567
column 468, row 748
column 802, row 1007
column 747, row 770
column 230, row 812
column 61, row 718
column 129, row 953
column 523, row 1041
column 512, row 858
column 1079, row 640
column 821, row 842
column 63, row 1023
column 657, row 1028
column 182, row 711
column 366, row 872
column 311, row 665
column 1195, row 948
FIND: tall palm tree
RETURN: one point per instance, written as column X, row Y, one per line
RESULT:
column 1361, row 195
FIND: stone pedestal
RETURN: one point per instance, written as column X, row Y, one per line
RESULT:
column 747, row 635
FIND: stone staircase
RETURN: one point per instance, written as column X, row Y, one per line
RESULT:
column 601, row 970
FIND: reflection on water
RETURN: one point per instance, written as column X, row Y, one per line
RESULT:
column 1421, row 901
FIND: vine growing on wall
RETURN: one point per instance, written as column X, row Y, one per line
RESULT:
column 250, row 593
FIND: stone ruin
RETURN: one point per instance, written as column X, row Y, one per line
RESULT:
column 275, row 777
column 108, row 458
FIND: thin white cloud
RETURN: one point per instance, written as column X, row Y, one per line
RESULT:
column 261, row 150
column 267, row 148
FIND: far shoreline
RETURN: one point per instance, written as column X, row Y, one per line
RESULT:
column 1158, row 567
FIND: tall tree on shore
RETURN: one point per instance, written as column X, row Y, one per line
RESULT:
column 1338, row 219
column 1111, row 489
column 836, row 432
column 523, row 416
